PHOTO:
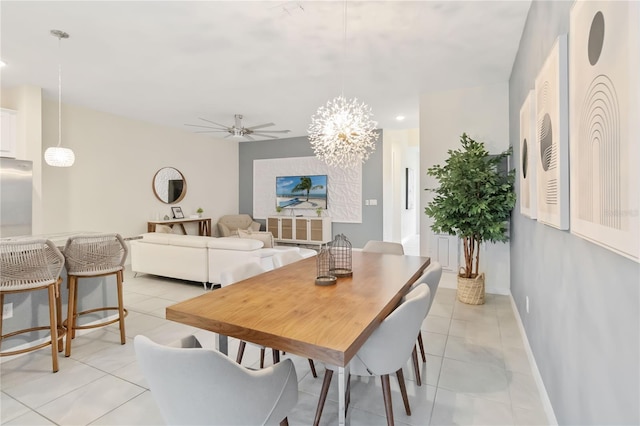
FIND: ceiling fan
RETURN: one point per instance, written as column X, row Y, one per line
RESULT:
column 238, row 130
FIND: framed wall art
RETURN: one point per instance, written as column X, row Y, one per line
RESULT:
column 552, row 138
column 605, row 124
column 528, row 184
column 177, row 212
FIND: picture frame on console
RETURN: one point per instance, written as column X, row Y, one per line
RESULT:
column 177, row 212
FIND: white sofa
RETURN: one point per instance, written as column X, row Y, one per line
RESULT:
column 196, row 258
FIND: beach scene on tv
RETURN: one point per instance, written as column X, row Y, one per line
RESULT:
column 301, row 192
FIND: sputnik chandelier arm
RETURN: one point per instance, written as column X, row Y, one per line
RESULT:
column 342, row 133
column 59, row 156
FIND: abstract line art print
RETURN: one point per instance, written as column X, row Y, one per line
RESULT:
column 605, row 122
column 552, row 138
column 528, row 193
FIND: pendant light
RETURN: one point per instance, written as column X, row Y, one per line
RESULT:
column 58, row 156
column 342, row 133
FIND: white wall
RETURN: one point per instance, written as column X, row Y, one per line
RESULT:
column 109, row 188
column 483, row 113
column 401, row 148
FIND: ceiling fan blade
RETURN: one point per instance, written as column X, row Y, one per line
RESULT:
column 263, row 135
column 260, row 126
column 249, row 137
column 205, row 127
column 274, row 131
column 211, row 131
column 213, row 122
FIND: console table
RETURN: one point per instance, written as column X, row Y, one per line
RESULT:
column 204, row 225
column 300, row 229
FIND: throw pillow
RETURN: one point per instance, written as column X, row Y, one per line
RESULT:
column 265, row 237
column 164, row 229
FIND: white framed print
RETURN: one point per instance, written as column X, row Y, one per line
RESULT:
column 552, row 138
column 605, row 124
column 528, row 184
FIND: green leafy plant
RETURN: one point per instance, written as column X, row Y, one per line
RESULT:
column 319, row 211
column 278, row 209
column 200, row 210
column 474, row 200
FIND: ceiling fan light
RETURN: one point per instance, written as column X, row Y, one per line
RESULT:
column 58, row 156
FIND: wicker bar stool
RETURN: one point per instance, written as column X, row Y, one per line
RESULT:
column 28, row 266
column 93, row 255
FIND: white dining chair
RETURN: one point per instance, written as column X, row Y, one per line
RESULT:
column 286, row 257
column 194, row 386
column 373, row 246
column 232, row 275
column 431, row 277
column 386, row 350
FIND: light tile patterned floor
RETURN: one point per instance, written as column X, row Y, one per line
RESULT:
column 477, row 371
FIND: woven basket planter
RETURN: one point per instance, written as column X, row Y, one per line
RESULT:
column 471, row 290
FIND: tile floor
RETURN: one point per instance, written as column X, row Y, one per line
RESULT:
column 477, row 371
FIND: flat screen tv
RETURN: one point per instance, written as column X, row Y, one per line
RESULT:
column 301, row 192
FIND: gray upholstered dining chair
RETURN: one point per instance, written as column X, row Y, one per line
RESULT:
column 94, row 255
column 195, row 386
column 373, row 246
column 386, row 350
column 32, row 265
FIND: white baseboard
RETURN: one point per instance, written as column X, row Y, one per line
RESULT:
column 544, row 396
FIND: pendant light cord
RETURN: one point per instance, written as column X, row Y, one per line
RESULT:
column 59, row 92
column 344, row 45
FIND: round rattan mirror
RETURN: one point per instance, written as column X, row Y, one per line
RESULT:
column 169, row 185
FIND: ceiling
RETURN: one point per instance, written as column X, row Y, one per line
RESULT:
column 272, row 61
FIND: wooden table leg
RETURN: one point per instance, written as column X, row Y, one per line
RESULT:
column 183, row 230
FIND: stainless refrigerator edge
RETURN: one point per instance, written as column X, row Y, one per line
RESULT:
column 16, row 178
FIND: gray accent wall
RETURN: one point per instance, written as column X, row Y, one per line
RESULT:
column 583, row 324
column 357, row 233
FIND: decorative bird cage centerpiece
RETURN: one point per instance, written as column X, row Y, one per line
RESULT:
column 326, row 265
column 340, row 249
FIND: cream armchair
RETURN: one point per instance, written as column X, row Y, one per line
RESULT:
column 228, row 225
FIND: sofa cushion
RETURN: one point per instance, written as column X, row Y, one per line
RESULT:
column 265, row 237
column 234, row 243
column 176, row 240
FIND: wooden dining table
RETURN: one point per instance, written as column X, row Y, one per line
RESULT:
column 283, row 309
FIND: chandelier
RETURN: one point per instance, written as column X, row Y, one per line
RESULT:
column 58, row 156
column 342, row 133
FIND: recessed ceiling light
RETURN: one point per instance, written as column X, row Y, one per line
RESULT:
column 400, row 117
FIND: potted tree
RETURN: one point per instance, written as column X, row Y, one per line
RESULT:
column 474, row 202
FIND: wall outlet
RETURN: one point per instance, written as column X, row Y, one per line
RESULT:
column 7, row 310
column 526, row 300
